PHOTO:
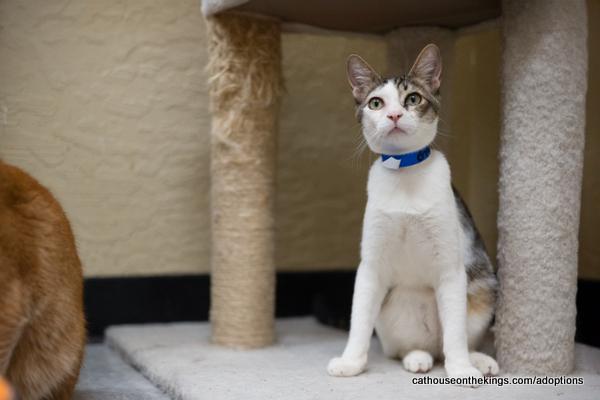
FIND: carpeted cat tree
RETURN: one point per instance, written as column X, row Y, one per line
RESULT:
column 544, row 79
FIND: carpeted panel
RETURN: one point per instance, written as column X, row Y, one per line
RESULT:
column 179, row 359
column 541, row 162
column 106, row 377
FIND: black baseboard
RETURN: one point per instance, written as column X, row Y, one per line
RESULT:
column 137, row 300
column 588, row 316
column 326, row 295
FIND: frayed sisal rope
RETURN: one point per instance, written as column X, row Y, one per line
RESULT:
column 544, row 80
column 245, row 85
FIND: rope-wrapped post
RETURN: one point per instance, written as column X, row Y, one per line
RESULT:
column 544, row 80
column 245, row 84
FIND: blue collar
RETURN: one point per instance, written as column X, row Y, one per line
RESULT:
column 397, row 161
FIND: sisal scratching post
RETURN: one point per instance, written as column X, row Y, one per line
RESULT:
column 245, row 83
column 544, row 87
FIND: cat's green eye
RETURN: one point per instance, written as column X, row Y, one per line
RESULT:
column 413, row 99
column 376, row 103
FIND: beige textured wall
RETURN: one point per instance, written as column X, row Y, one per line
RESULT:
column 321, row 177
column 473, row 140
column 589, row 231
column 105, row 103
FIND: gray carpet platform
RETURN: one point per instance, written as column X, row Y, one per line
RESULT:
column 179, row 359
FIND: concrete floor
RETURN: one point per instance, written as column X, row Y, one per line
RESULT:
column 105, row 376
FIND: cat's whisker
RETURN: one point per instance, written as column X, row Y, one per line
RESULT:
column 356, row 156
column 444, row 134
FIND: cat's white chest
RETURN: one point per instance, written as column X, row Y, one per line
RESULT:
column 401, row 216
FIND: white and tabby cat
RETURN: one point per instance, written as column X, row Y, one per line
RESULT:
column 425, row 282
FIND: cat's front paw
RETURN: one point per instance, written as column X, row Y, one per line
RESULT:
column 343, row 366
column 464, row 372
column 484, row 363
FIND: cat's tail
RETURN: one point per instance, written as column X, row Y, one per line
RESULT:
column 6, row 392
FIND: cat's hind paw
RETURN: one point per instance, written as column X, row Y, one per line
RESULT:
column 484, row 363
column 341, row 366
column 417, row 361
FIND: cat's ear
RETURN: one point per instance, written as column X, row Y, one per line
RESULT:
column 361, row 76
column 429, row 66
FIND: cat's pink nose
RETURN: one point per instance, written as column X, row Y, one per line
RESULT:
column 394, row 117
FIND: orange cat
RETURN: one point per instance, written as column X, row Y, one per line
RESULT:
column 42, row 326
